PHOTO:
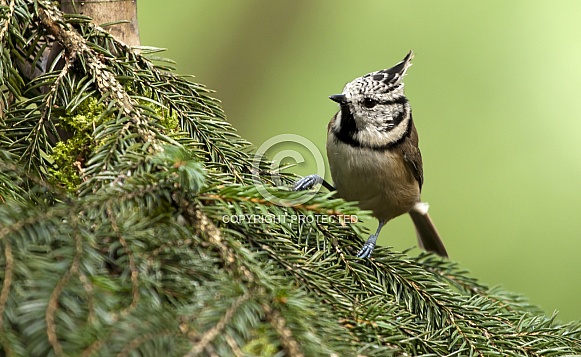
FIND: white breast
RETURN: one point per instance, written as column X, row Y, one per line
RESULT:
column 379, row 180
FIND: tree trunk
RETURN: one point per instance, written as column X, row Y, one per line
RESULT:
column 107, row 11
column 102, row 12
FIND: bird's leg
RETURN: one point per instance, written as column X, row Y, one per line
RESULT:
column 308, row 182
column 368, row 247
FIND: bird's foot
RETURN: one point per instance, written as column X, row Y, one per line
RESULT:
column 367, row 248
column 307, row 182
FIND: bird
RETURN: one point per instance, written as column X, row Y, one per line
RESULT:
column 373, row 154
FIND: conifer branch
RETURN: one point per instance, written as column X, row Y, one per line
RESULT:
column 202, row 342
column 117, row 236
column 131, row 260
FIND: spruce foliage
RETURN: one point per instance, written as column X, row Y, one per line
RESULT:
column 115, row 178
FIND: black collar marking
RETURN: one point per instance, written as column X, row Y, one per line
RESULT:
column 348, row 130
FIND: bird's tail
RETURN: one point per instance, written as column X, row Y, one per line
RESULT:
column 428, row 237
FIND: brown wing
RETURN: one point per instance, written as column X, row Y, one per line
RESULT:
column 412, row 155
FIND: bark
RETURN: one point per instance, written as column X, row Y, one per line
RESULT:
column 107, row 11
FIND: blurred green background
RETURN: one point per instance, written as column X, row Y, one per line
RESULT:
column 495, row 90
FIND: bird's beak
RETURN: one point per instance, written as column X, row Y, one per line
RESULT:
column 339, row 98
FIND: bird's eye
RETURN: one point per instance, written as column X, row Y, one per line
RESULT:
column 369, row 103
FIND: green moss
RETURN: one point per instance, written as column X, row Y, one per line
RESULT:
column 167, row 120
column 66, row 172
column 260, row 345
column 69, row 156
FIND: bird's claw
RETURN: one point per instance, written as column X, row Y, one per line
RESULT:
column 367, row 248
column 307, row 182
